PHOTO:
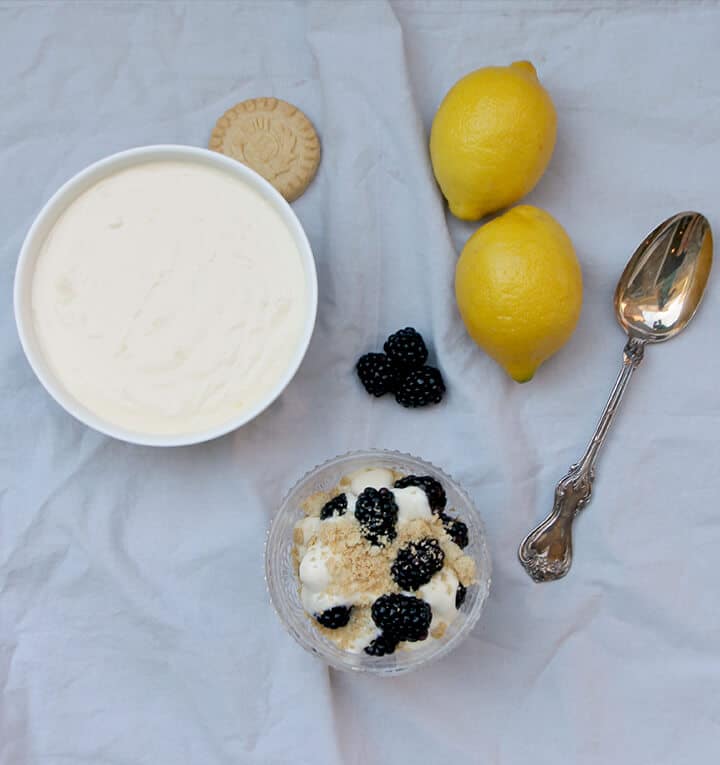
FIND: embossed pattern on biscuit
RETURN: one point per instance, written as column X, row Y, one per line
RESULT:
column 272, row 137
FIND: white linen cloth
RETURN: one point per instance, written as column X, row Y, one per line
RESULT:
column 134, row 622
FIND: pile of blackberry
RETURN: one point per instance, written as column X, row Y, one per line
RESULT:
column 402, row 370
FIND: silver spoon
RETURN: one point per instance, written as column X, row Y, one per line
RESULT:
column 657, row 295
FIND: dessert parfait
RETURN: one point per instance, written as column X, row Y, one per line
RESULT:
column 380, row 561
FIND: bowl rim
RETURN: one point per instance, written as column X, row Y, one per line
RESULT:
column 63, row 197
column 445, row 647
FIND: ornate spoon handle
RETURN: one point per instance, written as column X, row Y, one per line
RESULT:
column 546, row 552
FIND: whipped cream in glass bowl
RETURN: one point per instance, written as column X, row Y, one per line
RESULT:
column 166, row 295
column 340, row 579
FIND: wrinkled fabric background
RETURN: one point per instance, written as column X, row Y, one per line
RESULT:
column 134, row 622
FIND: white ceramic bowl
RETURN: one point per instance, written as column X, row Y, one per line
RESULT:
column 282, row 580
column 56, row 206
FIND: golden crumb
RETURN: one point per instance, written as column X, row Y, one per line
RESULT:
column 438, row 631
column 358, row 570
column 465, row 570
column 314, row 503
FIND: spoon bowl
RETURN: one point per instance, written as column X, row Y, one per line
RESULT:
column 663, row 283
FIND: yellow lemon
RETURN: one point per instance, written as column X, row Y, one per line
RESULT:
column 492, row 139
column 519, row 289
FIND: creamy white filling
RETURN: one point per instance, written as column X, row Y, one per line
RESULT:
column 412, row 503
column 169, row 297
column 315, row 579
column 440, row 593
column 376, row 478
column 314, row 573
column 309, row 528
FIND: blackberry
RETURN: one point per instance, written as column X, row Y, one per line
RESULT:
column 381, row 645
column 334, row 618
column 376, row 512
column 456, row 530
column 432, row 488
column 416, row 563
column 402, row 617
column 336, row 506
column 377, row 374
column 420, row 388
column 406, row 349
column 460, row 595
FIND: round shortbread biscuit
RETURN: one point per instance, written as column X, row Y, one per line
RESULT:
column 272, row 137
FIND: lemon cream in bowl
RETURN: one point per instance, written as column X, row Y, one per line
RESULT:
column 169, row 298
